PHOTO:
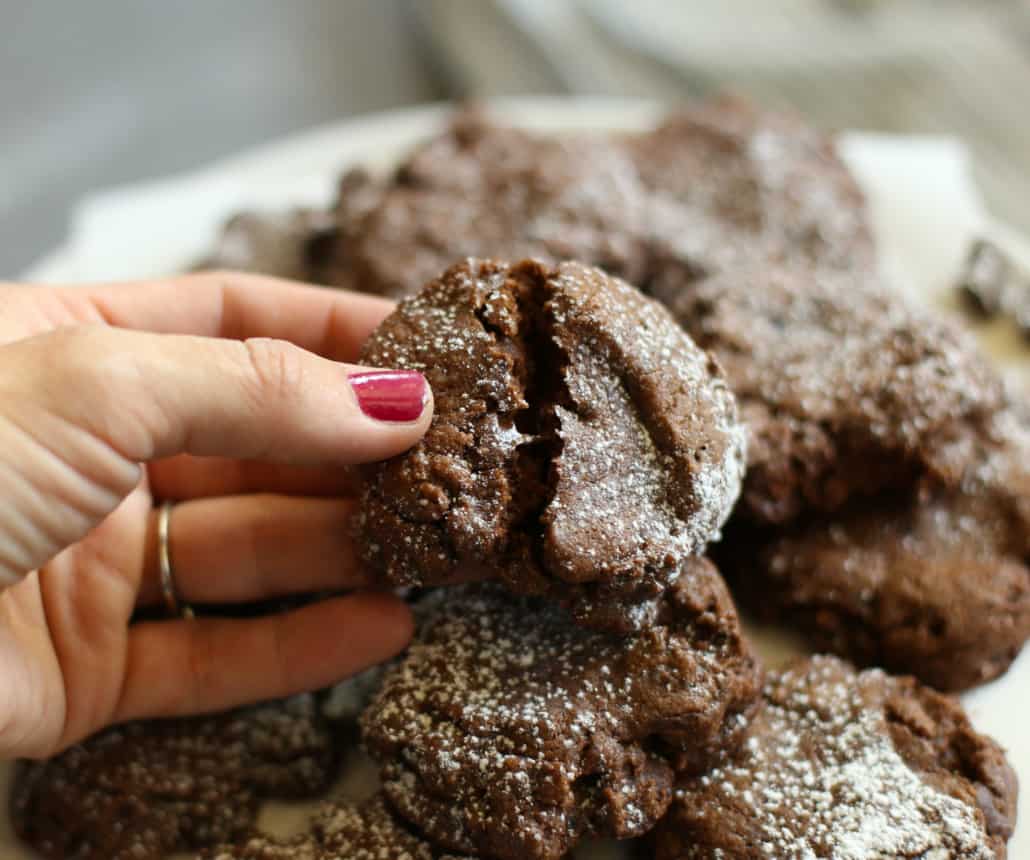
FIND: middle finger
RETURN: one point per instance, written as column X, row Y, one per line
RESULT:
column 187, row 477
column 239, row 549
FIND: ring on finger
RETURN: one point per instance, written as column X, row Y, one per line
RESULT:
column 175, row 607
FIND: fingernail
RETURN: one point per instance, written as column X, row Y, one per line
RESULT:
column 391, row 395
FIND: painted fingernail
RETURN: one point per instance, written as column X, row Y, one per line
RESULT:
column 391, row 395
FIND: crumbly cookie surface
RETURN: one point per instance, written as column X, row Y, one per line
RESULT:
column 145, row 790
column 845, row 388
column 344, row 831
column 848, row 766
column 509, row 731
column 712, row 185
column 931, row 581
column 581, row 445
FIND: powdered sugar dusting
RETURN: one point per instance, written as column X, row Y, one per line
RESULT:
column 844, row 384
column 930, row 579
column 821, row 778
column 662, row 398
column 149, row 789
column 507, row 725
column 344, row 831
column 372, row 832
column 709, row 187
column 579, row 438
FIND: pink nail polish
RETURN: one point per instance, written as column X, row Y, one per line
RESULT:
column 390, row 395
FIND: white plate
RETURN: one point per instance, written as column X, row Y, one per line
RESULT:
column 924, row 208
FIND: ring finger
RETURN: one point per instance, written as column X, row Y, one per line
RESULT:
column 238, row 549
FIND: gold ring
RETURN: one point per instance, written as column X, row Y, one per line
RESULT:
column 164, row 559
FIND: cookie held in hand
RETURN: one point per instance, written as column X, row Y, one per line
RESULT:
column 581, row 447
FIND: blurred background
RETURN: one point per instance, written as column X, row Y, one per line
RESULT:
column 110, row 91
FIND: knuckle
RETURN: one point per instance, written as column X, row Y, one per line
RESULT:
column 83, row 358
column 94, row 377
column 218, row 276
column 207, row 278
column 276, row 367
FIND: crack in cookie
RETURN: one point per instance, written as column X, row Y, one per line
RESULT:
column 581, row 445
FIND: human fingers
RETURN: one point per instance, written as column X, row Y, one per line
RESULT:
column 206, row 664
column 249, row 548
column 87, row 404
column 152, row 396
column 32, row 707
column 186, row 477
column 331, row 323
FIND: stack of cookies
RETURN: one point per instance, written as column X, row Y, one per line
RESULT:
column 658, row 360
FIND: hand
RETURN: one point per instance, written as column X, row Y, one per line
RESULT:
column 225, row 393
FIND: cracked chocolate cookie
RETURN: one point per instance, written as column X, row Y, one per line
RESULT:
column 710, row 186
column 509, row 732
column 851, row 767
column 144, row 790
column 581, row 445
column 344, row 831
column 845, row 388
column 933, row 581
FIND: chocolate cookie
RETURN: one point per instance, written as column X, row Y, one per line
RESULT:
column 344, row 831
column 851, row 767
column 581, row 445
column 751, row 185
column 845, row 388
column 285, row 245
column 481, row 190
column 933, row 581
column 145, row 790
column 509, row 732
column 710, row 186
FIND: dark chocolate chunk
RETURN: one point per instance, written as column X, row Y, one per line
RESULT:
column 985, row 278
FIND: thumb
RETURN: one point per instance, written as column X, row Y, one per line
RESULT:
column 150, row 395
column 81, row 408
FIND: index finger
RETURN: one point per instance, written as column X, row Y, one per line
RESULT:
column 236, row 305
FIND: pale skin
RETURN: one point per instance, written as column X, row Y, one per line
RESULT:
column 229, row 395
